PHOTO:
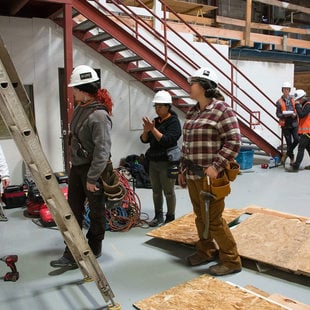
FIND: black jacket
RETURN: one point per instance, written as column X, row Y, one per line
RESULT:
column 171, row 130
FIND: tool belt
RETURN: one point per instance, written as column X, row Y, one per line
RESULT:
column 112, row 187
column 220, row 187
column 195, row 169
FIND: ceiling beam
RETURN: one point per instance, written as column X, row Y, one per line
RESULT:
column 17, row 6
column 286, row 5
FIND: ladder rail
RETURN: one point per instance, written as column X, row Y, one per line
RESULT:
column 30, row 148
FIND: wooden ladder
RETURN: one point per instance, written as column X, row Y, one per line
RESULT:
column 13, row 100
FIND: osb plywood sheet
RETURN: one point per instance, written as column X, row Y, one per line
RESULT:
column 276, row 241
column 205, row 292
column 184, row 230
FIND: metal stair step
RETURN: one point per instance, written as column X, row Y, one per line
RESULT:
column 114, row 48
column 127, row 59
column 85, row 26
column 99, row 37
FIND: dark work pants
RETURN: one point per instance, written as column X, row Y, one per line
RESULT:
column 77, row 195
column 291, row 138
column 304, row 144
column 161, row 184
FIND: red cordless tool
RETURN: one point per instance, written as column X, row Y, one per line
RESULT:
column 10, row 260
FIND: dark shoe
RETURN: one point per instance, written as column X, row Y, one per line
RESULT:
column 157, row 220
column 222, row 270
column 307, row 168
column 98, row 255
column 96, row 246
column 291, row 169
column 63, row 262
column 200, row 259
column 169, row 218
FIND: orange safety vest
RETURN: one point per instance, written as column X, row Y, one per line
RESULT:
column 304, row 123
column 283, row 108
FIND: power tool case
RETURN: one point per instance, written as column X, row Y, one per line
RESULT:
column 14, row 197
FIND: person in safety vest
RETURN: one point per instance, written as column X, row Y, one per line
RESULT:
column 286, row 112
column 303, row 112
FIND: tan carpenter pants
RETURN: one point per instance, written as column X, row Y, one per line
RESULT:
column 218, row 228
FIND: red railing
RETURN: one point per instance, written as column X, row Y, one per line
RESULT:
column 177, row 50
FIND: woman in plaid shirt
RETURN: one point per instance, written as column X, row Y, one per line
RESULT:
column 211, row 139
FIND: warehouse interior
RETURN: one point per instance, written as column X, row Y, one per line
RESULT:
column 135, row 264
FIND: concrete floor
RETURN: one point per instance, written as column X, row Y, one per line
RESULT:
column 138, row 266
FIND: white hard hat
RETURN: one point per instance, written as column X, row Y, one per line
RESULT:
column 286, row 85
column 162, row 97
column 299, row 93
column 204, row 74
column 83, row 75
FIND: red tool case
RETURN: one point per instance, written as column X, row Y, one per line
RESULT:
column 14, row 196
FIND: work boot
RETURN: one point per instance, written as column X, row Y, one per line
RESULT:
column 64, row 262
column 292, row 168
column 222, row 270
column 157, row 220
column 292, row 161
column 95, row 246
column 200, row 258
column 169, row 218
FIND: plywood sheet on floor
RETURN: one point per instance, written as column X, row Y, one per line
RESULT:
column 205, row 292
column 183, row 229
column 276, row 241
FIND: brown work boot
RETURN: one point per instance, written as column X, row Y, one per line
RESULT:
column 222, row 270
column 199, row 258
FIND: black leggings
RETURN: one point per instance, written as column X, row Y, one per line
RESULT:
column 292, row 139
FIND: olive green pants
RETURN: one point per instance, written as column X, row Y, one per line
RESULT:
column 218, row 228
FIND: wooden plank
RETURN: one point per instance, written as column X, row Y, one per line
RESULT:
column 277, row 241
column 184, row 7
column 206, row 292
column 287, row 302
column 241, row 23
column 286, row 5
column 191, row 19
column 247, row 30
column 189, row 8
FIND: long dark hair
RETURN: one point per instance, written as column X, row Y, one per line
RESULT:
column 101, row 95
column 211, row 90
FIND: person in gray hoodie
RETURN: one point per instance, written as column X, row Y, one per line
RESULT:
column 90, row 146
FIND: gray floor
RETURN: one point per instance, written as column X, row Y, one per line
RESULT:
column 137, row 266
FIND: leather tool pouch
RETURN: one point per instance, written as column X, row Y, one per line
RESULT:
column 220, row 187
column 232, row 170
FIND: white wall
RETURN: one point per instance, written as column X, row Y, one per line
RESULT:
column 36, row 48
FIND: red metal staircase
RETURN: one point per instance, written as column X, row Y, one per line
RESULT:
column 151, row 51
